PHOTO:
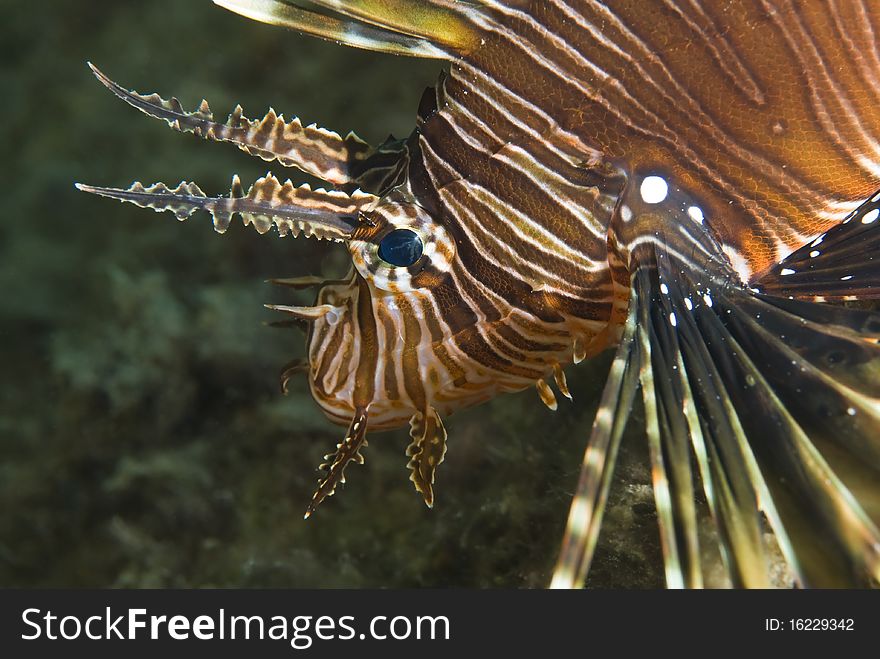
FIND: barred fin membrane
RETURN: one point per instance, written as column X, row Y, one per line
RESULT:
column 842, row 263
column 330, row 215
column 776, row 402
column 433, row 29
column 314, row 150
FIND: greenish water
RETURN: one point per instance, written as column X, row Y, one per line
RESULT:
column 143, row 438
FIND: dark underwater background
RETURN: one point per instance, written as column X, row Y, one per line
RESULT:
column 144, row 441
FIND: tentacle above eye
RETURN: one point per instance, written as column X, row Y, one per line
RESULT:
column 330, row 215
column 312, row 149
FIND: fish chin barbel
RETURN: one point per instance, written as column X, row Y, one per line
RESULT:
column 504, row 240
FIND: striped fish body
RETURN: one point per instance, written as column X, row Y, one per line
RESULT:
column 766, row 113
column 679, row 179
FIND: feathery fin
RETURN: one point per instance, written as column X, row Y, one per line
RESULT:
column 723, row 370
column 775, row 401
column 842, row 263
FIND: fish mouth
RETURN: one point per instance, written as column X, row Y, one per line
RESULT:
column 293, row 210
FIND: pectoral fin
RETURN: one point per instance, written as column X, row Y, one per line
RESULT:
column 842, row 263
column 770, row 405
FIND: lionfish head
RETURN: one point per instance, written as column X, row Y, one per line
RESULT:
column 361, row 348
column 378, row 346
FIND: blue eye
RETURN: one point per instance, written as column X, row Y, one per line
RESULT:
column 401, row 247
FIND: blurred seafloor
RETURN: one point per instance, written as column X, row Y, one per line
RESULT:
column 143, row 438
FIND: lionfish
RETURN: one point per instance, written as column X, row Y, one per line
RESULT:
column 692, row 182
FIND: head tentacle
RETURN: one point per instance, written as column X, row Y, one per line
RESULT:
column 330, row 215
column 317, row 151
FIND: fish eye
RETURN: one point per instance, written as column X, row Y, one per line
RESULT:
column 405, row 249
column 401, row 247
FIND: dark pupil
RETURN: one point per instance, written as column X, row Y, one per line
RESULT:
column 401, row 247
